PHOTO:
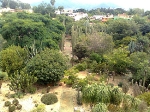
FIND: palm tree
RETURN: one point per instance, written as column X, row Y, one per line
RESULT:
column 52, row 2
column 60, row 8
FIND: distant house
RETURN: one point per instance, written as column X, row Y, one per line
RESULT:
column 123, row 16
column 98, row 17
column 79, row 16
column 64, row 11
column 108, row 17
column 7, row 10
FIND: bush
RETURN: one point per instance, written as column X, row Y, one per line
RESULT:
column 146, row 97
column 2, row 75
column 7, row 103
column 100, row 107
column 81, row 66
column 49, row 99
column 120, row 84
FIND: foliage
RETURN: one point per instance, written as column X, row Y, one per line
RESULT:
column 145, row 97
column 70, row 76
column 140, row 65
column 2, row 42
column 39, row 108
column 67, row 22
column 102, row 93
column 100, row 107
column 81, row 66
column 27, row 29
column 22, row 82
column 48, row 66
column 14, row 4
column 44, row 9
column 96, row 57
column 116, row 96
column 122, row 28
column 49, row 99
column 3, row 75
column 12, row 59
column 100, row 43
column 80, row 51
column 81, row 83
column 118, row 60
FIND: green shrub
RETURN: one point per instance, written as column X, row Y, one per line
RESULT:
column 7, row 103
column 146, row 97
column 81, row 66
column 120, row 84
column 49, row 99
column 100, row 107
column 15, row 102
column 11, row 108
column 2, row 75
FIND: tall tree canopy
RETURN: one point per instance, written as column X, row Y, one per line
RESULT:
column 14, row 4
column 28, row 29
column 122, row 28
column 45, row 9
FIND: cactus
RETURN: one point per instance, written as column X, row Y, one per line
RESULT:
column 132, row 46
column 7, row 103
column 19, row 107
column 21, row 82
column 48, row 89
column 11, row 108
column 15, row 102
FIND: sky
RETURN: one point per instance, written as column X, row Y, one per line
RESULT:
column 126, row 4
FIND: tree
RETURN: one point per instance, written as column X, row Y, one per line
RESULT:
column 118, row 60
column 12, row 59
column 44, row 9
column 140, row 66
column 80, row 51
column 60, row 9
column 28, row 29
column 52, row 2
column 100, row 43
column 122, row 28
column 48, row 66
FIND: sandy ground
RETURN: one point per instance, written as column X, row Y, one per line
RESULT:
column 29, row 100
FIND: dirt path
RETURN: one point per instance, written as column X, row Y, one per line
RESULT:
column 67, row 100
column 68, row 47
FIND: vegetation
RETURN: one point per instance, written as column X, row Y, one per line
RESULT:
column 145, row 97
column 31, row 51
column 39, row 108
column 12, row 59
column 49, row 99
column 49, row 68
column 22, row 82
